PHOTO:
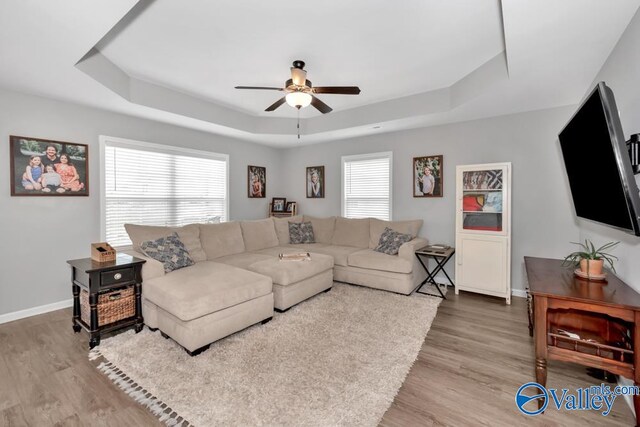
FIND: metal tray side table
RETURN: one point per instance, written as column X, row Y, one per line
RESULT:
column 441, row 257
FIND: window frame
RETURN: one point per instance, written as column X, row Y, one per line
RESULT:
column 112, row 141
column 355, row 157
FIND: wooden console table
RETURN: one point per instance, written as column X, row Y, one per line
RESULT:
column 606, row 316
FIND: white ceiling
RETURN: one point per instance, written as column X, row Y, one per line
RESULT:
column 418, row 62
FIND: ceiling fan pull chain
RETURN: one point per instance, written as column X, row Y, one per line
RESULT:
column 298, row 123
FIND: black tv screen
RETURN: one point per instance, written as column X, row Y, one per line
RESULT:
column 597, row 162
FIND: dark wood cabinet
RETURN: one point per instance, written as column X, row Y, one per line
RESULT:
column 595, row 324
column 111, row 280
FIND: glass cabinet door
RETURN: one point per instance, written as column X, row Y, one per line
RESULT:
column 482, row 195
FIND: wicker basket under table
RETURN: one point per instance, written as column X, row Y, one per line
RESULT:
column 113, row 305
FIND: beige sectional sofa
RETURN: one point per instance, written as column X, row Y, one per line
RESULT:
column 237, row 279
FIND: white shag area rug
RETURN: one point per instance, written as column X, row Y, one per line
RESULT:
column 337, row 359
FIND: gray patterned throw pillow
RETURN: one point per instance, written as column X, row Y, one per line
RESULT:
column 301, row 232
column 390, row 241
column 170, row 251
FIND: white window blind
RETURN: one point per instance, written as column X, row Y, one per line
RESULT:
column 151, row 184
column 367, row 186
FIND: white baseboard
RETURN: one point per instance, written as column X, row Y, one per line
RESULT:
column 17, row 315
column 520, row 293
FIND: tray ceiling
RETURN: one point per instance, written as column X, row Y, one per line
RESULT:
column 418, row 62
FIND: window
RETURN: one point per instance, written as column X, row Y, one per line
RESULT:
column 366, row 186
column 153, row 184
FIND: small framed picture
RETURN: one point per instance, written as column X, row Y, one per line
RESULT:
column 315, row 182
column 292, row 207
column 427, row 176
column 257, row 181
column 42, row 167
column 278, row 204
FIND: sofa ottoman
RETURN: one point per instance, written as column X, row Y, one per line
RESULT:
column 295, row 281
column 200, row 304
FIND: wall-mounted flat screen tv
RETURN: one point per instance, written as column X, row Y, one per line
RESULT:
column 601, row 178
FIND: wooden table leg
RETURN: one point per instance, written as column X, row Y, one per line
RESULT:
column 540, row 337
column 76, row 308
column 139, row 319
column 94, row 333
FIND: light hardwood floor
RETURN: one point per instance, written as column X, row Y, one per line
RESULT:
column 476, row 355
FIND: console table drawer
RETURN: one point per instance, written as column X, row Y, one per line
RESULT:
column 115, row 277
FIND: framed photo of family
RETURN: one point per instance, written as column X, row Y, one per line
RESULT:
column 257, row 181
column 427, row 176
column 315, row 182
column 42, row 167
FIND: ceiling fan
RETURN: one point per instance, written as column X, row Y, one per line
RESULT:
column 300, row 92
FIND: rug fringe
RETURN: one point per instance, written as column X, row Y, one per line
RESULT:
column 158, row 408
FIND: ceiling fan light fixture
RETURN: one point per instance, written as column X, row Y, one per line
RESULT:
column 298, row 99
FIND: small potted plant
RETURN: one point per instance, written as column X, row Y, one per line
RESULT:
column 590, row 259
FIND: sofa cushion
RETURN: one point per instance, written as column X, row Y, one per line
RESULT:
column 390, row 241
column 259, row 234
column 322, row 228
column 301, row 232
column 307, row 247
column 282, row 228
column 286, row 273
column 204, row 288
column 189, row 235
column 351, row 232
column 223, row 239
column 411, row 227
column 243, row 260
column 370, row 259
column 169, row 251
column 339, row 253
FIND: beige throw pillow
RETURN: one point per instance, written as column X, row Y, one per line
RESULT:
column 351, row 232
column 322, row 228
column 282, row 228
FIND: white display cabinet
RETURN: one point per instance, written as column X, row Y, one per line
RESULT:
column 483, row 229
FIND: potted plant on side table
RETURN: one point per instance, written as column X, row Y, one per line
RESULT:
column 591, row 260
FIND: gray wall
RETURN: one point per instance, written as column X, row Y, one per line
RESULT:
column 543, row 224
column 621, row 72
column 40, row 233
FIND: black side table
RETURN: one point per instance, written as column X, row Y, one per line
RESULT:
column 441, row 257
column 97, row 277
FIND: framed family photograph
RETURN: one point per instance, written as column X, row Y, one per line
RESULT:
column 257, row 181
column 427, row 176
column 42, row 167
column 315, row 182
column 278, row 204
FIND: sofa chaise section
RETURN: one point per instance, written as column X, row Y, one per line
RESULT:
column 200, row 304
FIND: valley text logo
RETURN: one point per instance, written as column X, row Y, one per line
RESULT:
column 593, row 398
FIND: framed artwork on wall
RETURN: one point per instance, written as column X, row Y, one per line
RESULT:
column 42, row 167
column 427, row 176
column 315, row 182
column 257, row 181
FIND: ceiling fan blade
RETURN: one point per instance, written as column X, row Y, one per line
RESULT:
column 320, row 106
column 259, row 88
column 338, row 90
column 276, row 104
